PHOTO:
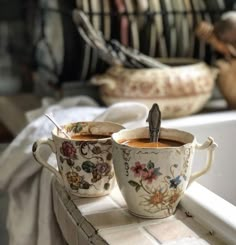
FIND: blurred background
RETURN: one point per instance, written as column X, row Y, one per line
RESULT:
column 43, row 55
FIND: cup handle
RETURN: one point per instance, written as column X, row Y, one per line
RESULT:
column 36, row 153
column 210, row 145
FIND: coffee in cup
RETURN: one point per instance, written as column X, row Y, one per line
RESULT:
column 153, row 179
column 145, row 143
column 88, row 137
column 84, row 160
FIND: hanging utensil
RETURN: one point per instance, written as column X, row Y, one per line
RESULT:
column 112, row 51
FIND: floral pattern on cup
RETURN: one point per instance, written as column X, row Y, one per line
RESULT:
column 85, row 166
column 68, row 150
column 153, row 180
column 96, row 163
column 75, row 128
column 76, row 181
column 157, row 197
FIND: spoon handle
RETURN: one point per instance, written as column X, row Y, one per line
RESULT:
column 50, row 117
column 154, row 120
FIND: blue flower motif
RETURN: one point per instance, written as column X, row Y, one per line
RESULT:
column 175, row 182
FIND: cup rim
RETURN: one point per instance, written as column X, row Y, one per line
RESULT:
column 191, row 137
column 54, row 131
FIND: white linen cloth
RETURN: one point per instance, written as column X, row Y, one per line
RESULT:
column 31, row 219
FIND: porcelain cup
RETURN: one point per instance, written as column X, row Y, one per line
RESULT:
column 153, row 180
column 84, row 166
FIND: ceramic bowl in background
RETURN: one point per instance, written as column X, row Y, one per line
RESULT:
column 181, row 89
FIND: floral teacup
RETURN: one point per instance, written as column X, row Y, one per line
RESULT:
column 153, row 180
column 85, row 160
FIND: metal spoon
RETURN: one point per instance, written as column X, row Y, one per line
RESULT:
column 51, row 118
column 154, row 120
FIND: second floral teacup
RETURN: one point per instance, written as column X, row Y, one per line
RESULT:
column 153, row 177
column 84, row 160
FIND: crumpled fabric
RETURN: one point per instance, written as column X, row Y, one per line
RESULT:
column 31, row 220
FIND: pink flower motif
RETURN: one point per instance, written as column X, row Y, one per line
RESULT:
column 68, row 150
column 149, row 175
column 103, row 168
column 138, row 169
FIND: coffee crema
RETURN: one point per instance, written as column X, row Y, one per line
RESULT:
column 88, row 137
column 145, row 143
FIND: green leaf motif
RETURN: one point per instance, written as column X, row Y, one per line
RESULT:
column 77, row 128
column 150, row 165
column 68, row 127
column 96, row 150
column 84, row 185
column 106, row 186
column 157, row 171
column 88, row 166
column 78, row 168
column 70, row 162
column 61, row 159
column 109, row 156
column 133, row 183
column 168, row 177
column 137, row 188
column 74, row 187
